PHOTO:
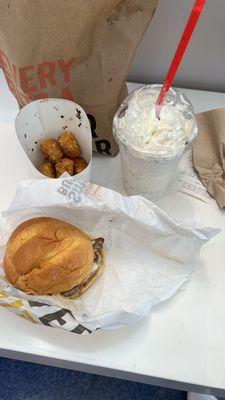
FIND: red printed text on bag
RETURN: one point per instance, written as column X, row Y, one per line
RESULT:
column 31, row 82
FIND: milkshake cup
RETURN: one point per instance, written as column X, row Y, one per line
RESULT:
column 151, row 149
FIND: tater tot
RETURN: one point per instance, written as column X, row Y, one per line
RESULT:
column 47, row 169
column 79, row 165
column 69, row 145
column 51, row 150
column 64, row 165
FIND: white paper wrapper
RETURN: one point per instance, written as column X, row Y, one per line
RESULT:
column 148, row 255
column 47, row 118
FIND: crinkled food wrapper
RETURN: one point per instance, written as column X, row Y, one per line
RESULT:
column 148, row 256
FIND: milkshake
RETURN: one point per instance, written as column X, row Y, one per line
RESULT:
column 152, row 148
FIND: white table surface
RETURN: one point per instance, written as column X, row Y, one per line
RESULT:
column 182, row 343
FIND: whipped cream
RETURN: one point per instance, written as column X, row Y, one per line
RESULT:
column 151, row 149
column 141, row 130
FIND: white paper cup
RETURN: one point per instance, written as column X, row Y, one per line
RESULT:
column 47, row 118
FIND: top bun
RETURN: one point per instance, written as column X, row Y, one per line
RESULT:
column 47, row 256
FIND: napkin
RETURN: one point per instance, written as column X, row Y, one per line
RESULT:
column 209, row 153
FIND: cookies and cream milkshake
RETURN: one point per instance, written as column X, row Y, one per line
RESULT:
column 151, row 148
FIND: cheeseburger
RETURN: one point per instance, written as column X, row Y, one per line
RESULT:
column 47, row 256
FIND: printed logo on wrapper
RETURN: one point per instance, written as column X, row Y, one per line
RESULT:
column 39, row 312
column 72, row 189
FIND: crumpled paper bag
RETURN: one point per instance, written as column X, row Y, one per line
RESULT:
column 148, row 256
column 209, row 153
column 73, row 49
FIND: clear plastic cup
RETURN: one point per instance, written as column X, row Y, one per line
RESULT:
column 47, row 118
column 146, row 173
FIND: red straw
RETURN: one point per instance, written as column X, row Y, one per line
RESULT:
column 188, row 30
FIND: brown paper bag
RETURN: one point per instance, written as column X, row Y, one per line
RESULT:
column 209, row 153
column 74, row 49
